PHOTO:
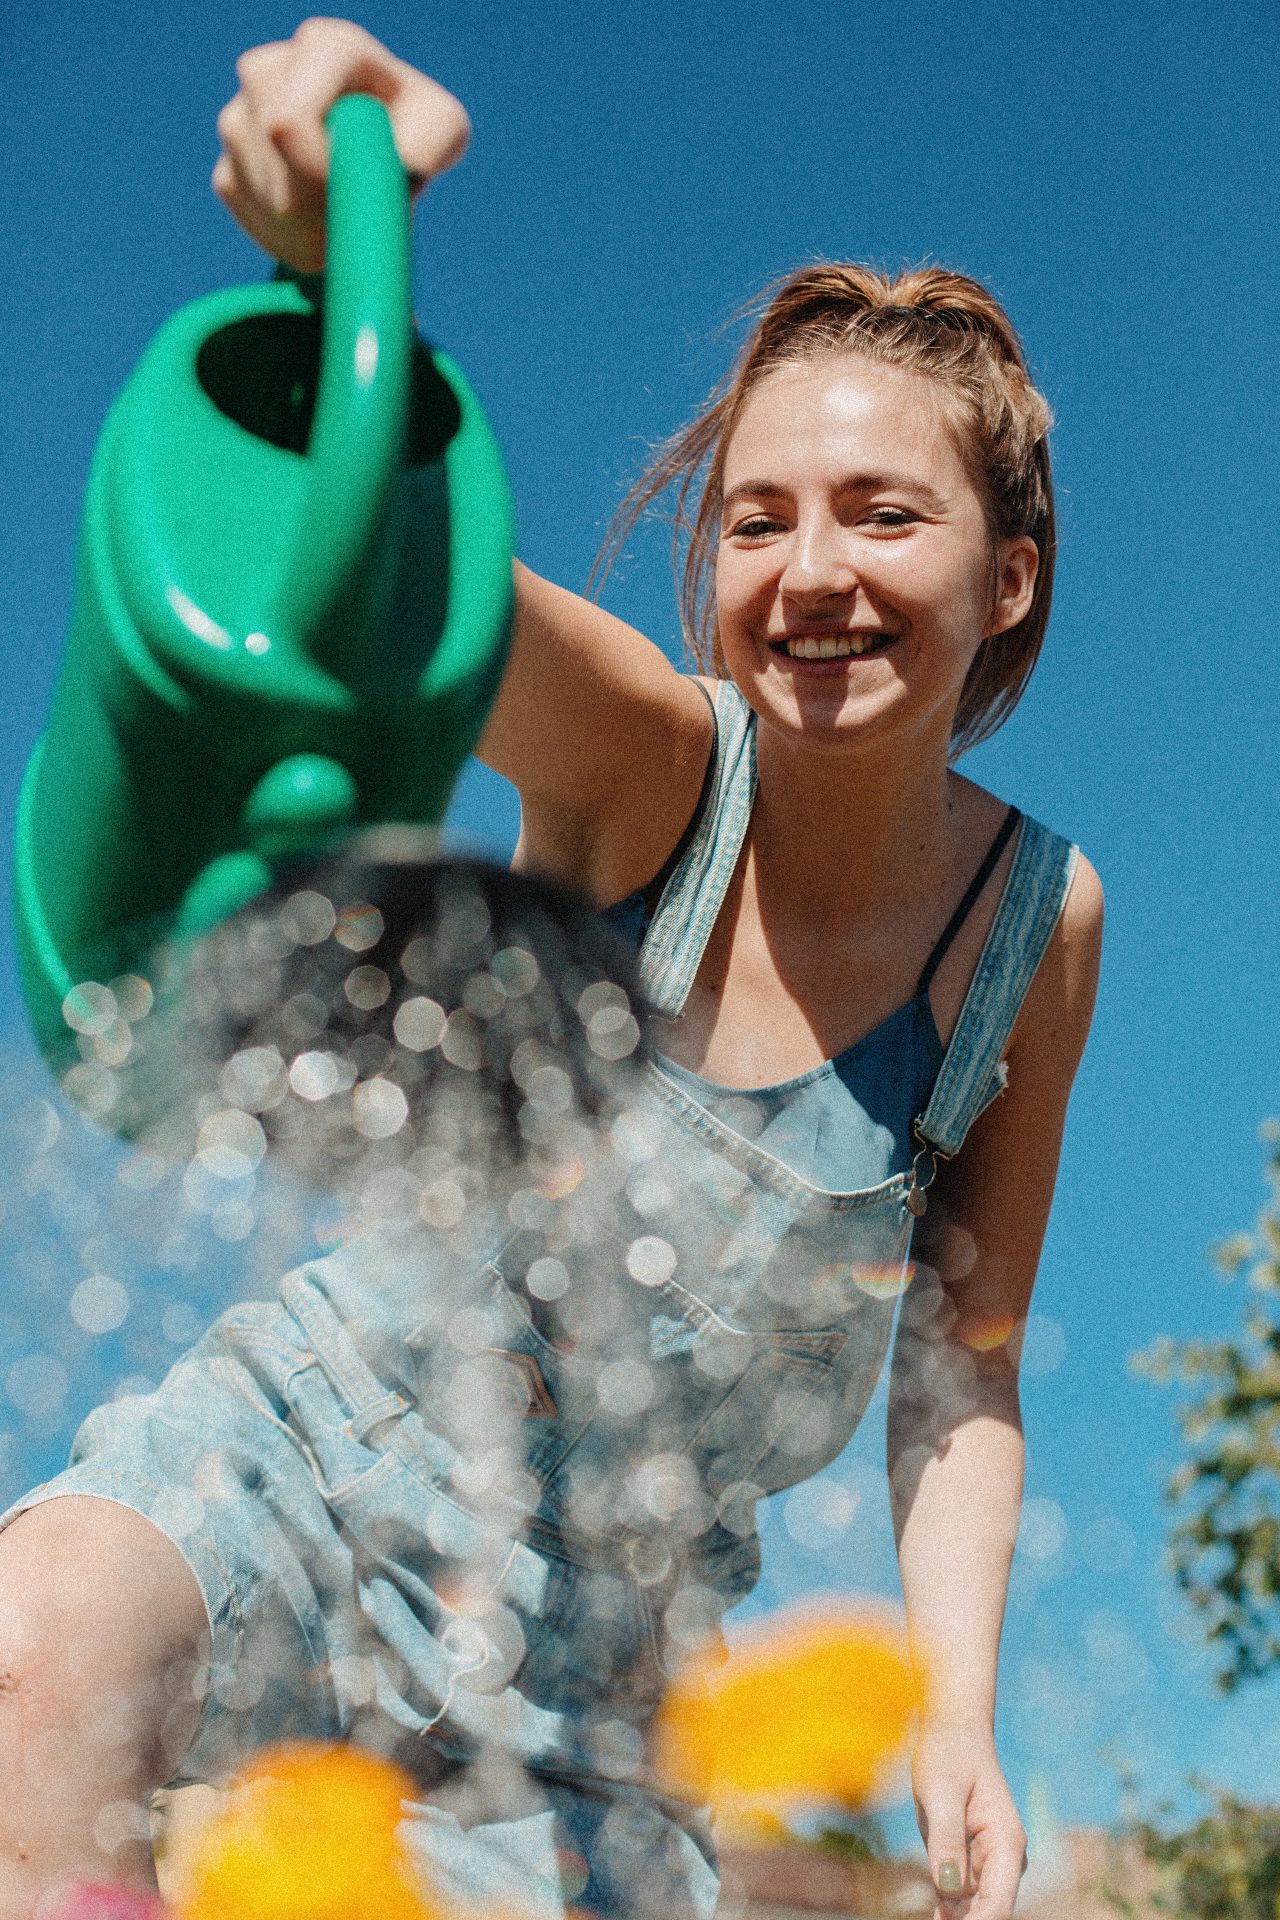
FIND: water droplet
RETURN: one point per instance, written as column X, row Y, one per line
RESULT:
column 37, row 1385
column 460, row 1042
column 359, row 927
column 90, row 1008
column 547, row 1279
column 309, row 918
column 254, row 1079
column 625, row 1387
column 317, row 1076
column 651, row 1260
column 379, row 1108
column 484, row 996
column 516, row 970
column 419, row 1024
column 134, row 997
column 181, row 1324
column 99, row 1304
column 230, row 1144
column 367, row 988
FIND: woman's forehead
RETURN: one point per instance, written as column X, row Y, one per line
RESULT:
column 842, row 408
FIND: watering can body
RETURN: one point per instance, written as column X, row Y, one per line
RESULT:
column 292, row 606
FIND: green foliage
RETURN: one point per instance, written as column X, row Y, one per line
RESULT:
column 1225, row 1867
column 1225, row 1541
column 859, row 1837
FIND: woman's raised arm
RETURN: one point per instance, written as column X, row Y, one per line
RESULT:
column 606, row 743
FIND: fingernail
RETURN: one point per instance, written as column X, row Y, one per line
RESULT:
column 950, row 1878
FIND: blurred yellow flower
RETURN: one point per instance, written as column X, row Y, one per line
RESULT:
column 306, row 1833
column 810, row 1709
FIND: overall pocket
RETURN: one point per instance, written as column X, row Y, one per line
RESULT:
column 744, row 1400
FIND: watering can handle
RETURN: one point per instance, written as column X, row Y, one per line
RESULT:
column 362, row 407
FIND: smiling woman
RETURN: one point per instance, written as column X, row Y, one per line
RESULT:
column 944, row 326
column 851, row 533
column 870, row 983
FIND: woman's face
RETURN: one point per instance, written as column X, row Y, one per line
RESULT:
column 854, row 568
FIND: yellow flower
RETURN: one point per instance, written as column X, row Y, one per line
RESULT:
column 307, row 1833
column 810, row 1709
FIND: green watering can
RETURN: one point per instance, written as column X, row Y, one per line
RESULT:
column 292, row 610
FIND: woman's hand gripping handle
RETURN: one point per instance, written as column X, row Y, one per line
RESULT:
column 274, row 162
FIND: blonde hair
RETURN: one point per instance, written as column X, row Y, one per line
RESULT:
column 928, row 321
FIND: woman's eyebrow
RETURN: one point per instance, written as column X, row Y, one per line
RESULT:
column 919, row 490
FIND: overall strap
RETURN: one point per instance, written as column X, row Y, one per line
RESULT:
column 681, row 927
column 973, row 1072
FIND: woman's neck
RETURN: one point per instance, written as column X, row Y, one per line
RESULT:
column 837, row 837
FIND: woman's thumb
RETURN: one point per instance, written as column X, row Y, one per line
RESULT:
column 948, row 1850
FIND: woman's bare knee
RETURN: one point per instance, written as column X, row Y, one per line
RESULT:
column 103, row 1640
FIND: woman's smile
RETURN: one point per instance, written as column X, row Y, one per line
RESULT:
column 829, row 651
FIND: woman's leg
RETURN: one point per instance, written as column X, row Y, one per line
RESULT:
column 103, row 1636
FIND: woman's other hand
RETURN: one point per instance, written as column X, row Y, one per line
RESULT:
column 274, row 162
column 970, row 1826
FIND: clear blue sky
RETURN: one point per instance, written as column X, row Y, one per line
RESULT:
column 635, row 172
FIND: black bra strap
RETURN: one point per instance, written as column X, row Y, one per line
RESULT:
column 653, row 892
column 975, row 887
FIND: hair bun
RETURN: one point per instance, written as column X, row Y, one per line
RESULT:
column 961, row 302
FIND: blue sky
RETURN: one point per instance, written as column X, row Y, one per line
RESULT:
column 636, row 171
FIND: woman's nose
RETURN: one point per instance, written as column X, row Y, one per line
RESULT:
column 818, row 563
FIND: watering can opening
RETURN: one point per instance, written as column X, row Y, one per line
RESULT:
column 264, row 373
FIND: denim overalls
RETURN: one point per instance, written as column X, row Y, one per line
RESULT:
column 469, row 1496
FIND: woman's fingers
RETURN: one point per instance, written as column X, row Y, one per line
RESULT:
column 255, row 164
column 998, row 1866
column 289, row 238
column 275, row 163
column 431, row 127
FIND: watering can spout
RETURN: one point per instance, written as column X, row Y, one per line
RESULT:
column 292, row 608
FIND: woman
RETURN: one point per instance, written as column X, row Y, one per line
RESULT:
column 851, row 951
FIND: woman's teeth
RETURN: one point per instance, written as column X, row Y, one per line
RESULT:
column 831, row 647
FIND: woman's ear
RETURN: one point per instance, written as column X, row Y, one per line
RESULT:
column 1017, row 564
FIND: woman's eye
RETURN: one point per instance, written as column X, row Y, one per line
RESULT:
column 756, row 528
column 891, row 518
